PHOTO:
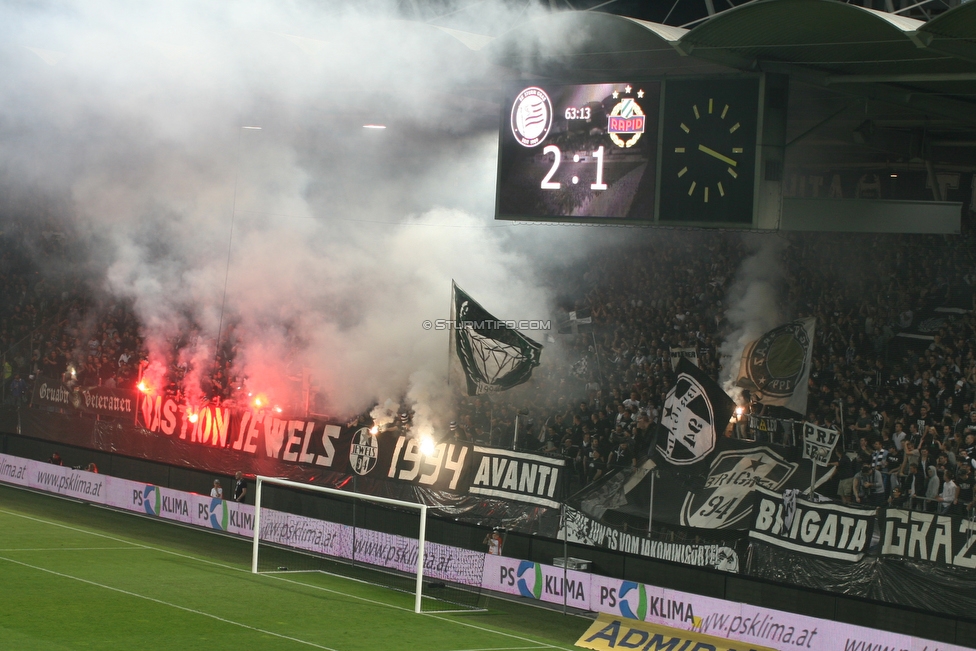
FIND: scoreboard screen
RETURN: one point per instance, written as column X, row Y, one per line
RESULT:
column 579, row 153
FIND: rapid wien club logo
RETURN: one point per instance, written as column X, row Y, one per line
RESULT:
column 776, row 361
column 724, row 500
column 626, row 119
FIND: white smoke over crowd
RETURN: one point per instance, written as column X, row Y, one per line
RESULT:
column 311, row 245
column 754, row 302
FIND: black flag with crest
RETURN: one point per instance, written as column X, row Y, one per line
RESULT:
column 493, row 355
column 696, row 413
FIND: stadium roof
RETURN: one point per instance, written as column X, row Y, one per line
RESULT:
column 925, row 66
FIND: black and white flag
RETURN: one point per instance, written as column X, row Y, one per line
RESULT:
column 493, row 355
column 677, row 354
column 776, row 367
column 577, row 322
column 819, row 443
column 696, row 412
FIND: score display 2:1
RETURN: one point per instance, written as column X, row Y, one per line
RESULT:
column 585, row 152
column 549, row 184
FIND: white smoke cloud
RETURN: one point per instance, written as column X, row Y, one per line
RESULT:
column 336, row 242
column 753, row 302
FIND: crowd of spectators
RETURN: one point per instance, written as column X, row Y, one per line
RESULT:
column 600, row 404
column 905, row 405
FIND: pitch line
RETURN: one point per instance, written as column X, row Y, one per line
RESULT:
column 166, row 603
column 69, row 549
column 281, row 578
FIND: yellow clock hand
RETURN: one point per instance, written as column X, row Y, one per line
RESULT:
column 715, row 154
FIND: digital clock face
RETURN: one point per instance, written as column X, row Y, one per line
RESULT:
column 583, row 152
column 709, row 151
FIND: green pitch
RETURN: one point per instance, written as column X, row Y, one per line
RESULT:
column 74, row 576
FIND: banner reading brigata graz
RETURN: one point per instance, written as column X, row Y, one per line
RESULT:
column 92, row 400
column 918, row 536
column 821, row 529
column 392, row 455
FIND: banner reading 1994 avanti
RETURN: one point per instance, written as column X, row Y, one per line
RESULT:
column 393, row 454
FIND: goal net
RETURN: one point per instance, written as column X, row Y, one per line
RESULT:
column 377, row 540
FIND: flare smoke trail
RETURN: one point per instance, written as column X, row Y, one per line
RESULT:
column 753, row 302
column 336, row 242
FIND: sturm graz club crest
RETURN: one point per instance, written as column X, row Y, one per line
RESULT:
column 531, row 116
column 364, row 451
column 777, row 360
column 690, row 422
column 724, row 500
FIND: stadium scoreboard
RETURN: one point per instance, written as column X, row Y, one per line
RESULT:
column 658, row 152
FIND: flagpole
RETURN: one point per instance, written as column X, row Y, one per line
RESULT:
column 650, row 512
column 450, row 333
column 813, row 476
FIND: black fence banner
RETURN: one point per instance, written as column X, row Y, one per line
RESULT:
column 821, row 529
column 518, row 476
column 53, row 394
column 584, row 530
column 393, row 454
column 107, row 402
column 920, row 536
column 100, row 401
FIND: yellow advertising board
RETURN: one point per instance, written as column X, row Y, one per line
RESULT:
column 610, row 633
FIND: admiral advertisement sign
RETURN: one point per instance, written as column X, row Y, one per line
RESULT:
column 827, row 530
column 918, row 536
column 584, row 530
column 392, row 454
column 612, row 632
column 101, row 401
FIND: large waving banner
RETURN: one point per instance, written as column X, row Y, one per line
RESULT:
column 828, row 530
column 776, row 367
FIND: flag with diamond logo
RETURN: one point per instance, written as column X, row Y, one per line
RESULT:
column 493, row 355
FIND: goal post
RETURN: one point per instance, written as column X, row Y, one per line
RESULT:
column 301, row 527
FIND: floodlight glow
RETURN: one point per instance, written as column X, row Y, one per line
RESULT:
column 252, row 128
column 374, row 126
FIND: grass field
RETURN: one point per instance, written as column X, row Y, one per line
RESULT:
column 74, row 576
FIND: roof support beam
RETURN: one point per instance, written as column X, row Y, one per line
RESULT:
column 898, row 79
column 953, row 109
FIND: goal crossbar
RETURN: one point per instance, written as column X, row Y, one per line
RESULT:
column 422, row 508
